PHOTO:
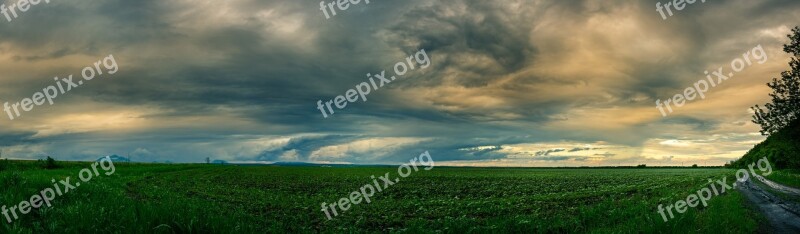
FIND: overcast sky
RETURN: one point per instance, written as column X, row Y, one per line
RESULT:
column 511, row 83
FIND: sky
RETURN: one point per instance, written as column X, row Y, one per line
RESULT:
column 510, row 83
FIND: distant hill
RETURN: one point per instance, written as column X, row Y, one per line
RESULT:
column 115, row 158
column 295, row 164
column 221, row 162
column 311, row 164
column 782, row 149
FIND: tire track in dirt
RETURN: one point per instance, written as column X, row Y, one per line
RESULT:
column 783, row 216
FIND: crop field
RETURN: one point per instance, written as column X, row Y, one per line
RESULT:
column 156, row 198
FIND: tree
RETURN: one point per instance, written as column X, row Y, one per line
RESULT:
column 3, row 162
column 50, row 163
column 785, row 105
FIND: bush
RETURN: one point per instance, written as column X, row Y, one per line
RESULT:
column 49, row 163
column 782, row 149
column 3, row 164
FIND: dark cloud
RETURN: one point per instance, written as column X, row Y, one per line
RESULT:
column 606, row 154
column 582, row 149
column 226, row 79
column 548, row 152
column 561, row 158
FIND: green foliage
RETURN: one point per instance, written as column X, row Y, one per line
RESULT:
column 782, row 149
column 790, row 177
column 4, row 164
column 49, row 163
column 12, row 179
column 785, row 105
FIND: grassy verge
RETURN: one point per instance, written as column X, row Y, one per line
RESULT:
column 788, row 177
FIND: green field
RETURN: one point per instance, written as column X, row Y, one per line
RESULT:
column 156, row 198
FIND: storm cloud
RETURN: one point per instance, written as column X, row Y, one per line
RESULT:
column 572, row 82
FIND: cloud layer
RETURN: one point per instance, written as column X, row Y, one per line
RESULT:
column 511, row 83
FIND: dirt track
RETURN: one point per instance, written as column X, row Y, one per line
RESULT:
column 783, row 216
